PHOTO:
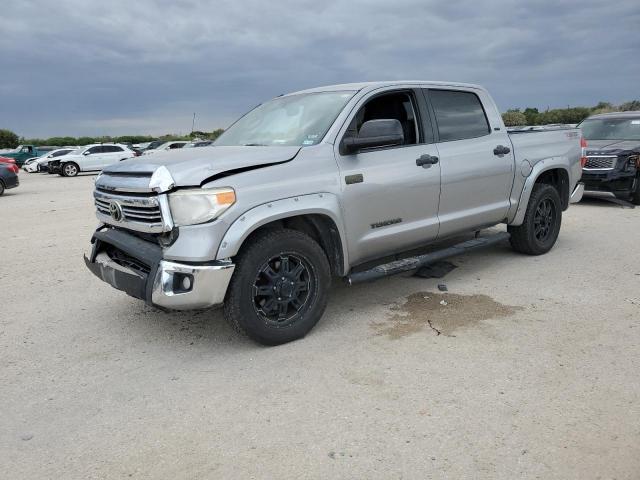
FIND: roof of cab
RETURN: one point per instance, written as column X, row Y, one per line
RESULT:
column 373, row 85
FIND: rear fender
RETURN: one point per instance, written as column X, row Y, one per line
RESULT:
column 516, row 216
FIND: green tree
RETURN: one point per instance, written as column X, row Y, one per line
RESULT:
column 8, row 139
column 630, row 106
column 514, row 118
column 532, row 115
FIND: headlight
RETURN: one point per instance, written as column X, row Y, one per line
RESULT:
column 194, row 206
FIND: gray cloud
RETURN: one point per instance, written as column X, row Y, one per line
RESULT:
column 87, row 67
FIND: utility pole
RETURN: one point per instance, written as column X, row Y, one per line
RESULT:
column 193, row 122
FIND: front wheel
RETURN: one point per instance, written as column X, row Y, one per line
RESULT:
column 541, row 226
column 278, row 291
column 70, row 169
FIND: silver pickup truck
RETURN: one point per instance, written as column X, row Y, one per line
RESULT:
column 315, row 184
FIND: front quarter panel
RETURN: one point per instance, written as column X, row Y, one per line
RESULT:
column 316, row 203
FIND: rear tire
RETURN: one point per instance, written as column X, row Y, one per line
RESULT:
column 279, row 289
column 541, row 226
column 70, row 169
column 1, row 188
column 635, row 195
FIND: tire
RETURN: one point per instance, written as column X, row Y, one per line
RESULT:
column 1, row 188
column 70, row 169
column 635, row 194
column 272, row 300
column 541, row 226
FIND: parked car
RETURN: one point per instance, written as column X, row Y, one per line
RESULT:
column 8, row 176
column 91, row 158
column 41, row 164
column 24, row 152
column 165, row 146
column 316, row 184
column 199, row 143
column 613, row 155
column 7, row 160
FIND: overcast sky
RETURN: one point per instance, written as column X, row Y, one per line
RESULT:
column 85, row 67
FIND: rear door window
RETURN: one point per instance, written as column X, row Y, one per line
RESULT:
column 459, row 115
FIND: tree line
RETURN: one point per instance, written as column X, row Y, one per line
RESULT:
column 532, row 116
column 9, row 139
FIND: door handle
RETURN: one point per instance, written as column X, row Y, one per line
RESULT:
column 425, row 161
column 501, row 150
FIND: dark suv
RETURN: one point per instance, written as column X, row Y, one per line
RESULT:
column 613, row 154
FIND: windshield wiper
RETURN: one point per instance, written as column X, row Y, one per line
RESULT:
column 254, row 145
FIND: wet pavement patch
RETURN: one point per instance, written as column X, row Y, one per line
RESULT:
column 442, row 313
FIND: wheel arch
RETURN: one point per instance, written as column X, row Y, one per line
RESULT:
column 316, row 215
column 548, row 172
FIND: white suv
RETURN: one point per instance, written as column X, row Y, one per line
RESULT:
column 91, row 158
column 39, row 164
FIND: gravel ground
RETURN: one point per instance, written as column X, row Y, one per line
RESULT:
column 528, row 367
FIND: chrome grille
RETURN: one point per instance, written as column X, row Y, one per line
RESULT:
column 604, row 162
column 143, row 213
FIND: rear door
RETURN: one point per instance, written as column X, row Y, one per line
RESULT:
column 475, row 157
column 390, row 203
column 111, row 154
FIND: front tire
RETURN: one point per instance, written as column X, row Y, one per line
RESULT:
column 70, row 169
column 541, row 226
column 279, row 289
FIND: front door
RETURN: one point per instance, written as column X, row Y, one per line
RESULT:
column 390, row 202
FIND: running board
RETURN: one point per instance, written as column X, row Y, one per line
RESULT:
column 413, row 263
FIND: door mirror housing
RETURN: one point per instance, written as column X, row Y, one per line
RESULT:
column 375, row 133
column 86, row 153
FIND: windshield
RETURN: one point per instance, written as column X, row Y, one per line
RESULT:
column 294, row 120
column 611, row 129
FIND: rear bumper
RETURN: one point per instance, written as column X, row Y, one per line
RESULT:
column 149, row 277
column 577, row 194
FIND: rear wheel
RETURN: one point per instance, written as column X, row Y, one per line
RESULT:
column 278, row 291
column 70, row 169
column 541, row 226
column 1, row 188
column 635, row 194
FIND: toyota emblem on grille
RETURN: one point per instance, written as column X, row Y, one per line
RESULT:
column 115, row 210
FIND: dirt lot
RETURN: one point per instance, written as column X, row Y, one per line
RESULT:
column 531, row 368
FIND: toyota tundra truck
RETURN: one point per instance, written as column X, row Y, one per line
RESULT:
column 321, row 184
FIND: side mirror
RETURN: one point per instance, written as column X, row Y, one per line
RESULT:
column 375, row 133
column 86, row 153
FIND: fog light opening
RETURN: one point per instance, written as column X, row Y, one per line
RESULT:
column 182, row 282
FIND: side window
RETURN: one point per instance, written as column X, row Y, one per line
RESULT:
column 96, row 149
column 60, row 153
column 396, row 105
column 175, row 145
column 111, row 149
column 459, row 115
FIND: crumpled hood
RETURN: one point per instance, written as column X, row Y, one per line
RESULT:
column 192, row 166
column 612, row 147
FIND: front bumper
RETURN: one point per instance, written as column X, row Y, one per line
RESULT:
column 616, row 182
column 136, row 267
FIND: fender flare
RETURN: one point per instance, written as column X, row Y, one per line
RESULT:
column 538, row 169
column 316, row 203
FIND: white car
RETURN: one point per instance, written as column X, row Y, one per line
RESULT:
column 41, row 163
column 166, row 146
column 91, row 158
